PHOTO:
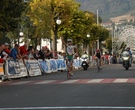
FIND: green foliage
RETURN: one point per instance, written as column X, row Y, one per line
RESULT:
column 10, row 13
column 45, row 13
column 109, row 43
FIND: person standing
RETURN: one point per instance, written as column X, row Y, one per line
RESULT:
column 98, row 55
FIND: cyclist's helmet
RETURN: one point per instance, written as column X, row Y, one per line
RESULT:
column 69, row 40
column 98, row 50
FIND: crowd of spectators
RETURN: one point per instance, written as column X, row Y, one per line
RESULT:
column 105, row 59
column 27, row 52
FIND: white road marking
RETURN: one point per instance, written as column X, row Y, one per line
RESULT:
column 21, row 82
column 95, row 80
column 120, row 80
column 45, row 82
column 69, row 81
column 70, row 107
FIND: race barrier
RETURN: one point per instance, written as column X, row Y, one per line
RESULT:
column 1, row 72
column 52, row 65
column 33, row 67
column 17, row 69
column 77, row 63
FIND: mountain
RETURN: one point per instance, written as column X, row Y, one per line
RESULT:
column 108, row 8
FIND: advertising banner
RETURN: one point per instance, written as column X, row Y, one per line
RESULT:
column 1, row 70
column 33, row 67
column 15, row 69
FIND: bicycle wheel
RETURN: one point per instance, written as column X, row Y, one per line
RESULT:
column 98, row 67
column 68, row 73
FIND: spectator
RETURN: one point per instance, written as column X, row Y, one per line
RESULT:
column 41, row 53
column 106, row 58
column 36, row 55
column 48, row 54
column 64, row 56
column 6, row 51
column 23, row 51
column 15, row 53
column 55, row 56
column 30, row 53
column 2, row 46
column 60, row 56
column 114, row 59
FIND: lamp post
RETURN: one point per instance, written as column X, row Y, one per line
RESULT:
column 58, row 22
column 98, row 38
column 20, row 35
column 88, row 36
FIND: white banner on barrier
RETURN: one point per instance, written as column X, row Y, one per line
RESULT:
column 52, row 65
column 33, row 67
column 15, row 69
column 77, row 63
column 61, row 64
column 46, row 65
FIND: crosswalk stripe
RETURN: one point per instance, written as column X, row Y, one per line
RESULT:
column 45, row 82
column 120, row 80
column 69, row 81
column 21, row 82
column 95, row 81
column 75, row 81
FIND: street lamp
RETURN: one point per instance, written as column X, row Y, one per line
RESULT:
column 58, row 22
column 20, row 35
column 88, row 36
column 97, row 24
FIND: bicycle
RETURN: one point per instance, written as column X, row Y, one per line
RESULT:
column 68, row 70
column 98, row 64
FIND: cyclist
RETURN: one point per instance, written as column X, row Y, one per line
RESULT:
column 70, row 49
column 98, row 55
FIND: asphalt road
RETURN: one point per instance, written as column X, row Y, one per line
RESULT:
column 113, row 88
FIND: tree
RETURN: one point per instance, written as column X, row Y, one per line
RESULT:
column 10, row 13
column 108, row 43
column 78, row 27
column 44, row 14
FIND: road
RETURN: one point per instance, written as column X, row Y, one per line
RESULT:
column 113, row 88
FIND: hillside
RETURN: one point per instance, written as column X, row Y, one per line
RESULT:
column 108, row 8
